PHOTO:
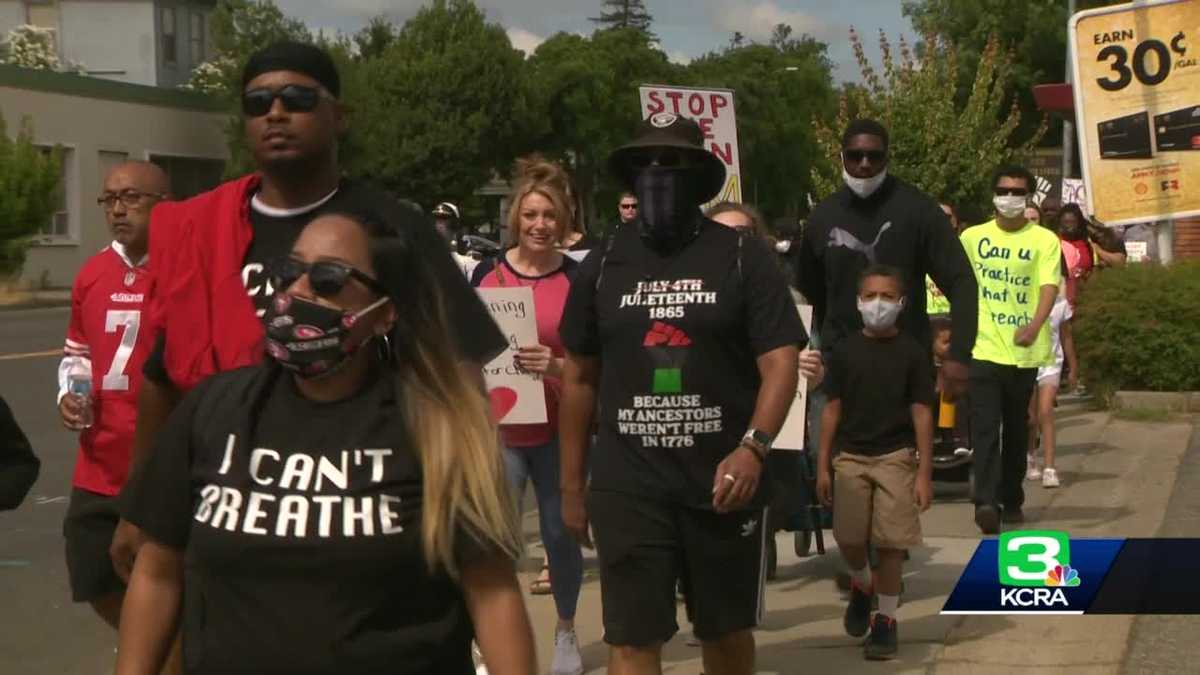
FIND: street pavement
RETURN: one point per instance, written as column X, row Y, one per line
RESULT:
column 1120, row 479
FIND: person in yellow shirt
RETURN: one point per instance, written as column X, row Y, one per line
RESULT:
column 1016, row 265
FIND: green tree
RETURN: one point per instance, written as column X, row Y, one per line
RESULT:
column 624, row 14
column 1034, row 29
column 441, row 108
column 779, row 91
column 946, row 148
column 586, row 104
column 29, row 180
column 373, row 40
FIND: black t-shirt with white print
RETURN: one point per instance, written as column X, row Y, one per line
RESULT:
column 276, row 230
column 301, row 532
column 678, row 337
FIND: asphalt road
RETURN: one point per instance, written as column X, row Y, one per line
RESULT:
column 41, row 630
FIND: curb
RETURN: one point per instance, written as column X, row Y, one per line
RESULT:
column 1170, row 401
column 34, row 304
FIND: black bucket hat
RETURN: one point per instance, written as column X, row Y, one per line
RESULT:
column 668, row 130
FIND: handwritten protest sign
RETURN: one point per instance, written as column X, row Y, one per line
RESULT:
column 517, row 397
column 791, row 436
column 713, row 110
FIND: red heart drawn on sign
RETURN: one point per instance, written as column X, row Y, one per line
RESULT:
column 504, row 399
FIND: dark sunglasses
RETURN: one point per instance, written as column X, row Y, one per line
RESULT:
column 857, row 156
column 628, row 207
column 295, row 98
column 326, row 277
column 1011, row 192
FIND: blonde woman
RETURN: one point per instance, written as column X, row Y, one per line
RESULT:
column 540, row 216
column 340, row 508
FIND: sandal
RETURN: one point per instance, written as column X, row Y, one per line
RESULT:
column 541, row 585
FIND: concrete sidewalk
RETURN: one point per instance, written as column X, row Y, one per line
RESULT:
column 1117, row 479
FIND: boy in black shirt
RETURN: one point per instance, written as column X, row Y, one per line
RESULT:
column 881, row 386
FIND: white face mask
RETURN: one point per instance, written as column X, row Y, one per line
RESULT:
column 879, row 314
column 783, row 246
column 1009, row 206
column 864, row 187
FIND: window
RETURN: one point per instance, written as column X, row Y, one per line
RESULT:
column 166, row 29
column 190, row 176
column 58, row 227
column 196, row 38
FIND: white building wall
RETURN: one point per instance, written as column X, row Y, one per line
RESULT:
column 12, row 14
column 114, row 40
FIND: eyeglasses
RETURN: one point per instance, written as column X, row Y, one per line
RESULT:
column 128, row 198
column 295, row 98
column 326, row 277
column 628, row 207
column 857, row 156
column 1011, row 192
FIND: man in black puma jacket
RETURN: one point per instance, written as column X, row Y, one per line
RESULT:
column 876, row 218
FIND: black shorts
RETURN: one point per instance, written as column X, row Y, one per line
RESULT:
column 88, row 528
column 645, row 546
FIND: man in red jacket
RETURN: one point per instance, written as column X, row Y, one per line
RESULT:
column 212, row 253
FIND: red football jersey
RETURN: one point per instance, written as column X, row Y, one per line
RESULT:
column 106, row 316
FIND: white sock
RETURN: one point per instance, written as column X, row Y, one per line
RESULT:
column 863, row 577
column 888, row 604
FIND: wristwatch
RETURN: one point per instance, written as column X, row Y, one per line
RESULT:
column 759, row 442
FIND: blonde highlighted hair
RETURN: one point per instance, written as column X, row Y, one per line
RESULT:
column 466, row 498
column 535, row 173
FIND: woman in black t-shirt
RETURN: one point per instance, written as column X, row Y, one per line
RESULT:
column 340, row 508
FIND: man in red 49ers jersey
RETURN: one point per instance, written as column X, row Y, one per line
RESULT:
column 105, row 339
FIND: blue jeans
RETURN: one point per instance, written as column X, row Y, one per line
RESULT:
column 541, row 464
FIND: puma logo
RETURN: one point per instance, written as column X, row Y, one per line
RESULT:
column 749, row 526
column 841, row 238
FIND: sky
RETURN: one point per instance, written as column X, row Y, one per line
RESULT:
column 686, row 28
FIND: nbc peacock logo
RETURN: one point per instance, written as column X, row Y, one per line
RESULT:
column 1063, row 575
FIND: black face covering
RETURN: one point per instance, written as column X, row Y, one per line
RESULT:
column 668, row 206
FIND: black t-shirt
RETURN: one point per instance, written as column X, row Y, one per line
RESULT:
column 301, row 532
column 898, row 226
column 276, row 230
column 677, row 336
column 877, row 379
column 18, row 465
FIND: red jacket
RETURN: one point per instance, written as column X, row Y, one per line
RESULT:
column 197, row 298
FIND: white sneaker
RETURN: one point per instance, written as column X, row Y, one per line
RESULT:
column 567, row 659
column 962, row 452
column 1034, row 472
column 1050, row 478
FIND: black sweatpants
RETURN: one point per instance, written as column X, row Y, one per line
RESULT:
column 1000, row 431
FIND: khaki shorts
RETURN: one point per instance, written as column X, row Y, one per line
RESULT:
column 873, row 500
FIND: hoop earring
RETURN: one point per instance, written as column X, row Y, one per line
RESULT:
column 384, row 347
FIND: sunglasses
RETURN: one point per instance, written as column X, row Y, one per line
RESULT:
column 628, row 207
column 129, row 198
column 326, row 277
column 1011, row 192
column 295, row 98
column 857, row 156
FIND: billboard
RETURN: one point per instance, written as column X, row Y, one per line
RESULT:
column 1137, row 107
column 713, row 110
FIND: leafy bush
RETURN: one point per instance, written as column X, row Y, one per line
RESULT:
column 1136, row 329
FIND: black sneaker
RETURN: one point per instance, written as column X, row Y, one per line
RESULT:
column 987, row 518
column 882, row 643
column 858, row 611
column 1013, row 515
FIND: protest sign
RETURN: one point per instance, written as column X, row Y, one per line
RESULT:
column 713, row 110
column 1137, row 103
column 517, row 397
column 791, row 435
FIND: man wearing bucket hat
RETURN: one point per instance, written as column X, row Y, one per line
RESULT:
column 686, row 334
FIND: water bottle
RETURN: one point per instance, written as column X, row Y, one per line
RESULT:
column 79, row 382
